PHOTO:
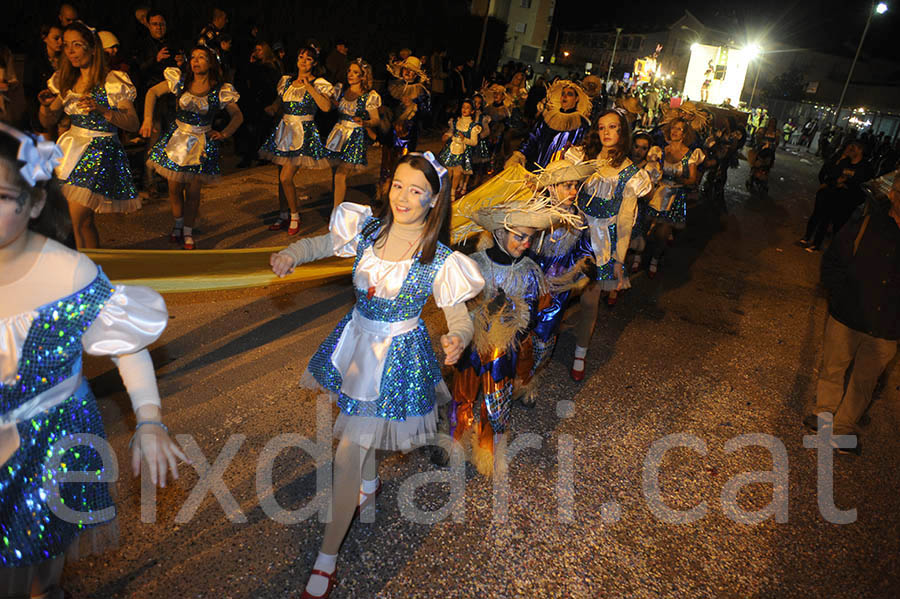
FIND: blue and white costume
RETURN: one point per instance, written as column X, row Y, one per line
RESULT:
column 348, row 142
column 296, row 139
column 609, row 205
column 669, row 203
column 379, row 362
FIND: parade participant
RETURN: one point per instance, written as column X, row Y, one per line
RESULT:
column 761, row 156
column 593, row 87
column 460, row 139
column 498, row 109
column 608, row 200
column 410, row 103
column 562, row 123
column 500, row 361
column 94, row 172
column 295, row 142
column 57, row 305
column 563, row 254
column 378, row 364
column 481, row 154
column 187, row 155
column 668, row 206
column 641, row 158
column 347, row 143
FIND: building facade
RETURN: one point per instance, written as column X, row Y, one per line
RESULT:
column 528, row 25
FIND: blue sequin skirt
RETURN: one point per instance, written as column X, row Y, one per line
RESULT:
column 102, row 180
column 30, row 533
column 481, row 154
column 606, row 277
column 310, row 156
column 463, row 160
column 209, row 168
column 676, row 214
column 403, row 416
column 354, row 152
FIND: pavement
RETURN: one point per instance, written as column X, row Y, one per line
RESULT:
column 724, row 343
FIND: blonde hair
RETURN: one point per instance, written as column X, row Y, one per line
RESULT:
column 367, row 81
column 96, row 74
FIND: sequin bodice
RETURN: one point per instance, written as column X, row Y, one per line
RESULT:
column 92, row 120
column 675, row 169
column 416, row 289
column 354, row 108
column 52, row 350
column 303, row 107
column 200, row 119
column 600, row 207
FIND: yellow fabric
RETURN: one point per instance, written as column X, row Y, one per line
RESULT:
column 177, row 271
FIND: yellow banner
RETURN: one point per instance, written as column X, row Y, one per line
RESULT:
column 178, row 271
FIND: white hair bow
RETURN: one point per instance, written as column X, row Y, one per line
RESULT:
column 40, row 156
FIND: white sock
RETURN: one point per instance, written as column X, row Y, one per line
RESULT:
column 317, row 585
column 580, row 352
column 283, row 215
column 370, row 486
column 295, row 216
column 188, row 231
column 179, row 223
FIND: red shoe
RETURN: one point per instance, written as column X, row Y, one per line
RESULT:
column 651, row 270
column 293, row 229
column 612, row 298
column 577, row 375
column 188, row 242
column 175, row 236
column 278, row 225
column 332, row 581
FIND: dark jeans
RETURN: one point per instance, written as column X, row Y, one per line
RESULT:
column 834, row 206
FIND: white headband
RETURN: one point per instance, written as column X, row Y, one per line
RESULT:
column 437, row 166
column 40, row 156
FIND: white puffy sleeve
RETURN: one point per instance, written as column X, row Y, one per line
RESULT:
column 228, row 95
column 283, row 84
column 324, row 87
column 373, row 101
column 172, row 76
column 458, row 280
column 346, row 223
column 336, row 93
column 639, row 185
column 119, row 88
column 697, row 156
column 133, row 318
column 53, row 83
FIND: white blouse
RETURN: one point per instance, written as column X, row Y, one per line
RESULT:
column 197, row 104
column 293, row 93
column 118, row 86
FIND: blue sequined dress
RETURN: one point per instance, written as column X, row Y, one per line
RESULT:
column 669, row 202
column 456, row 152
column 481, row 154
column 609, row 205
column 348, row 141
column 43, row 395
column 296, row 139
column 379, row 362
column 94, row 171
column 185, row 151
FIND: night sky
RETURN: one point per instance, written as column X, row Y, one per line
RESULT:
column 828, row 25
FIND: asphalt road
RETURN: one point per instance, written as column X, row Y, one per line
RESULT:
column 725, row 342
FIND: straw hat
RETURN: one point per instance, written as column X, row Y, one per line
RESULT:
column 630, row 104
column 592, row 85
column 410, row 62
column 108, row 39
column 488, row 92
column 562, row 170
column 537, row 211
column 554, row 98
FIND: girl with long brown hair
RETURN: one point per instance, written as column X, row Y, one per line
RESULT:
column 608, row 200
column 94, row 171
column 348, row 141
column 295, row 142
column 378, row 363
column 187, row 155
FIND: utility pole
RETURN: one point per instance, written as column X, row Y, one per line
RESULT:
column 755, row 80
column 613, row 57
column 484, row 26
column 872, row 11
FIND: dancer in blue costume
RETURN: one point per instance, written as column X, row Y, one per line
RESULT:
column 642, row 157
column 295, row 142
column 56, row 305
column 349, row 141
column 608, row 200
column 460, row 140
column 680, row 176
column 563, row 122
column 188, row 154
column 94, row 171
column 564, row 254
column 481, row 154
column 378, row 363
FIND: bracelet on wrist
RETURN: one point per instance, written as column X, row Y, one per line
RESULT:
column 140, row 424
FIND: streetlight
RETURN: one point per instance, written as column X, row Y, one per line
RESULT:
column 613, row 57
column 880, row 9
column 695, row 46
column 566, row 53
column 753, row 51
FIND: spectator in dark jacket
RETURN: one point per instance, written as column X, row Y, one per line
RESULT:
column 840, row 194
column 861, row 275
column 156, row 53
column 336, row 63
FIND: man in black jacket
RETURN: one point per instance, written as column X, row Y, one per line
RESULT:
column 861, row 275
